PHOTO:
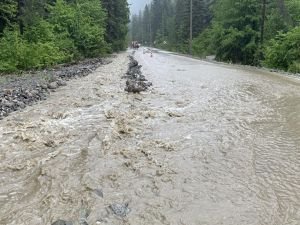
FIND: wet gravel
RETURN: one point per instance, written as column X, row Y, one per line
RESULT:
column 136, row 81
column 62, row 222
column 17, row 92
column 120, row 210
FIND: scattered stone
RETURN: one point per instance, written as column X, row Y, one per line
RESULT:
column 53, row 85
column 49, row 143
column 17, row 92
column 136, row 82
column 134, row 86
column 44, row 86
column 133, row 63
column 99, row 192
column 174, row 114
column 84, row 214
column 159, row 172
column 166, row 146
column 62, row 222
column 109, row 114
column 83, row 222
column 21, row 104
column 61, row 82
column 120, row 210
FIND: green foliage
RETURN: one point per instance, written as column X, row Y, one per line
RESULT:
column 9, row 44
column 236, row 30
column 63, row 18
column 274, row 24
column 117, row 23
column 202, row 45
column 8, row 10
column 81, row 27
column 41, row 33
column 17, row 53
column 293, row 7
column 283, row 52
column 89, row 29
column 166, row 23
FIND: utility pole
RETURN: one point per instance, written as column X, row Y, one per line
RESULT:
column 191, row 26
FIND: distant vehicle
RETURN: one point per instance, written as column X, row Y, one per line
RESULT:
column 135, row 45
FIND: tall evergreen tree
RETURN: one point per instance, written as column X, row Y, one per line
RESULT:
column 146, row 24
column 237, row 30
column 117, row 23
column 8, row 10
column 45, row 32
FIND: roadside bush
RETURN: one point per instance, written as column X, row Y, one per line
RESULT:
column 83, row 26
column 9, row 45
column 17, row 53
column 65, row 32
column 203, row 45
column 39, row 55
column 283, row 52
column 295, row 67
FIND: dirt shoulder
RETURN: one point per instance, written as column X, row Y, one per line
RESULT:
column 17, row 92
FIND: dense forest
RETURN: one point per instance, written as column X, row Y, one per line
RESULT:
column 41, row 33
column 254, row 32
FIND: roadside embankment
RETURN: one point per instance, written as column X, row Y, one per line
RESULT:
column 16, row 92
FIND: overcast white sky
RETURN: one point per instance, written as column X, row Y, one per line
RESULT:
column 137, row 5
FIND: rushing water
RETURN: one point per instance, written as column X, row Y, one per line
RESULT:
column 211, row 144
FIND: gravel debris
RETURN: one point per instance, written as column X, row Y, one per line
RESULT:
column 136, row 82
column 17, row 92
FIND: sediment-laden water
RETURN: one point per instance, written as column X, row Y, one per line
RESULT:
column 208, row 144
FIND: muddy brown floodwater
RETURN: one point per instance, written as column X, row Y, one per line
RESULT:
column 209, row 144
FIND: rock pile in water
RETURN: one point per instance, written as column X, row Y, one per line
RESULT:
column 16, row 92
column 136, row 82
column 62, row 222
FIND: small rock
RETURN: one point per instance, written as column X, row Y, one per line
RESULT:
column 49, row 143
column 134, row 86
column 62, row 222
column 120, row 210
column 44, row 86
column 136, row 82
column 21, row 104
column 61, row 83
column 34, row 92
column 9, row 104
column 8, row 91
column 159, row 173
column 99, row 192
column 53, row 85
column 133, row 63
column 83, row 222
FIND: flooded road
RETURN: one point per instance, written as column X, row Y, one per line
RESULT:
column 210, row 144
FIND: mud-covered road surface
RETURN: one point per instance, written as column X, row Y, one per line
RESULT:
column 208, row 144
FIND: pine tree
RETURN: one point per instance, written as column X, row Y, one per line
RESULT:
column 146, row 25
column 8, row 10
column 40, row 33
column 117, row 23
column 237, row 30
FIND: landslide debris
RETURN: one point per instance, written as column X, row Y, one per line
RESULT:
column 136, row 82
column 17, row 92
